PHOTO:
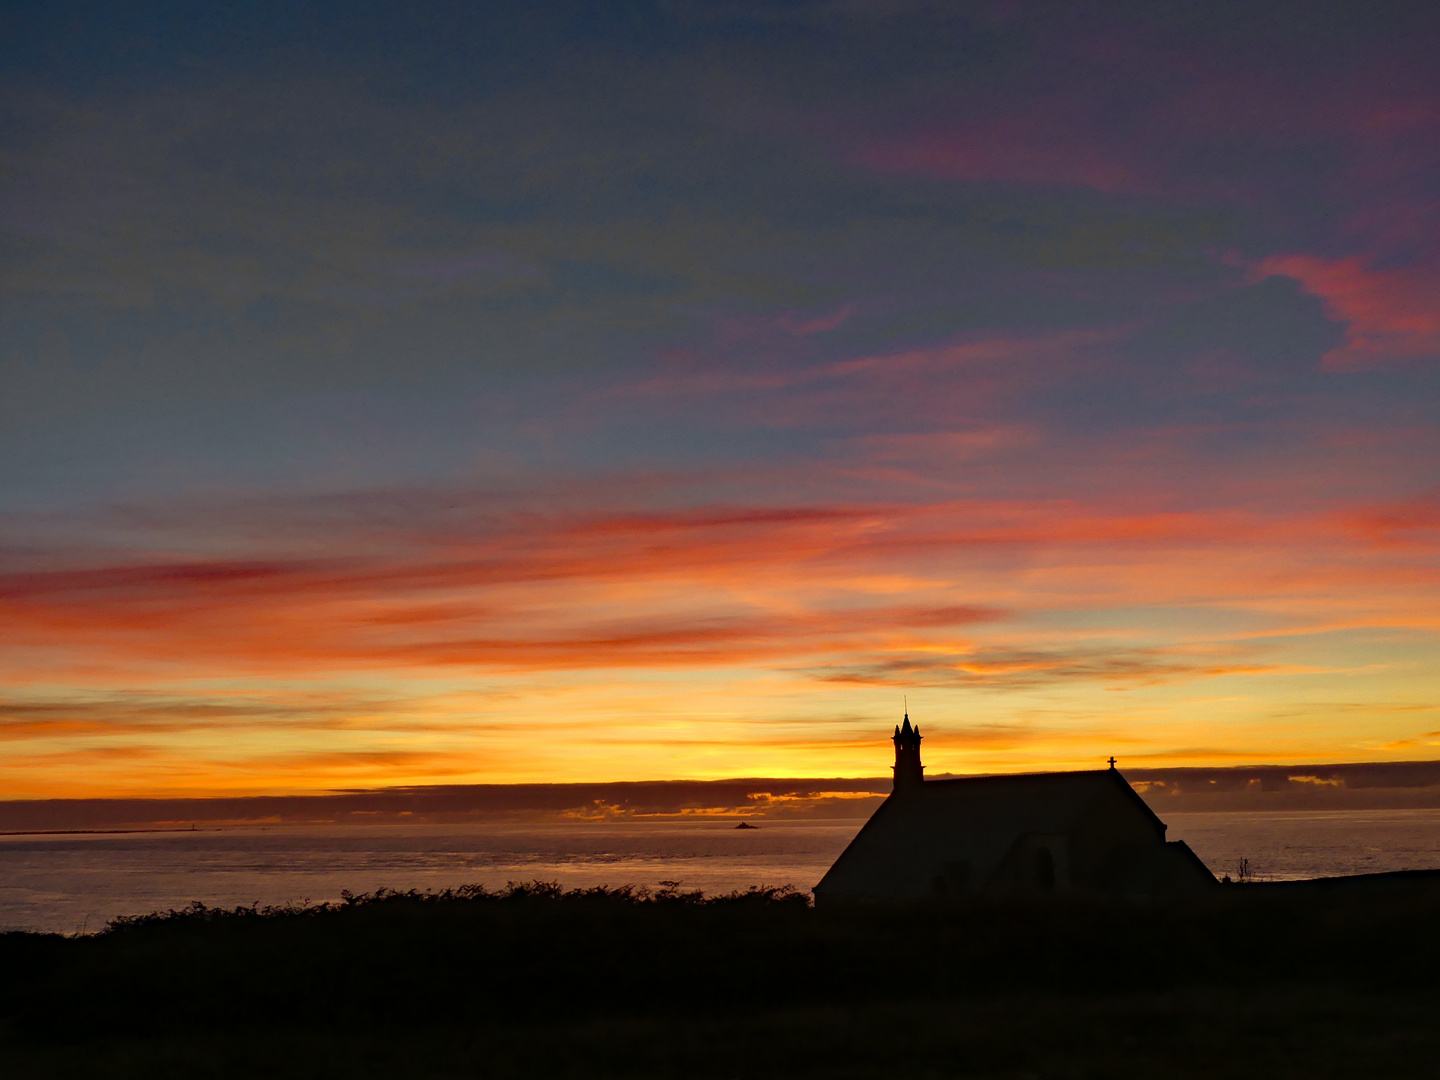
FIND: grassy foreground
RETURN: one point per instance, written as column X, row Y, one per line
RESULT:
column 534, row 981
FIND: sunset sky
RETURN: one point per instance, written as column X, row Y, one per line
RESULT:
column 445, row 393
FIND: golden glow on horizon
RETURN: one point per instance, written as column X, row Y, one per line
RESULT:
column 730, row 642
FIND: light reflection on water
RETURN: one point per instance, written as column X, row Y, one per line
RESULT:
column 67, row 883
column 71, row 883
column 1285, row 845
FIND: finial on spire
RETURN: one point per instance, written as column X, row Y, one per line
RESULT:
column 1112, row 764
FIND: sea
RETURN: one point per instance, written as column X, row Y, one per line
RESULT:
column 78, row 882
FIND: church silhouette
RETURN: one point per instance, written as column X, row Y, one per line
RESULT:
column 1075, row 833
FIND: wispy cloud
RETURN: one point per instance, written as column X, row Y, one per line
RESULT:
column 1015, row 669
column 758, row 586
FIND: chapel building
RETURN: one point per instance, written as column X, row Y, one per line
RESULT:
column 1077, row 833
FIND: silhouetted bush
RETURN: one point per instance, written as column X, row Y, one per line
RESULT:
column 534, row 955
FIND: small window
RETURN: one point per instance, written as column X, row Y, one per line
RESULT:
column 1044, row 868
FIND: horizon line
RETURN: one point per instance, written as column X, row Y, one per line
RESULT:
column 412, row 789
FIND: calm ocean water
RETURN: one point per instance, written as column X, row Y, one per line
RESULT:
column 78, row 883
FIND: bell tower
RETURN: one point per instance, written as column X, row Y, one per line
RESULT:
column 909, row 773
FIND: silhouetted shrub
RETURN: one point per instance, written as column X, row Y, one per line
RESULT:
column 534, row 952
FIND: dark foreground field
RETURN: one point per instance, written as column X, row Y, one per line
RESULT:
column 538, row 983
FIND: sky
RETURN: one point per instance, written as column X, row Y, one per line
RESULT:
column 395, row 395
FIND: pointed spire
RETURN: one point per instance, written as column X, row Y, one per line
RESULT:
column 909, row 773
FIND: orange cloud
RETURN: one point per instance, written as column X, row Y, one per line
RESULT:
column 715, row 586
column 1413, row 523
column 655, row 642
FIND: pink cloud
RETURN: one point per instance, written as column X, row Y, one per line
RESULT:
column 1013, row 149
column 800, row 326
column 1198, row 127
column 1391, row 316
column 936, row 385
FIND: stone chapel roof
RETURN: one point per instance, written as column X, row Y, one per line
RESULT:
column 974, row 819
